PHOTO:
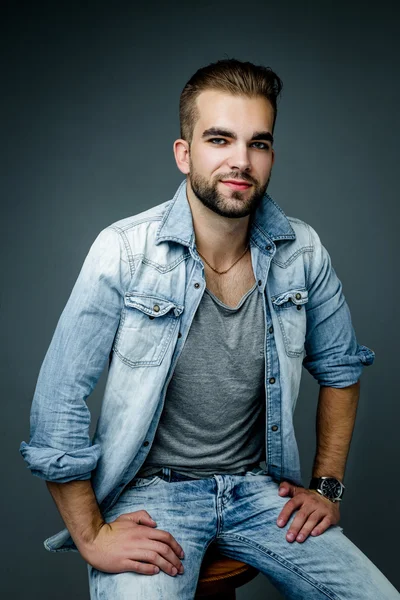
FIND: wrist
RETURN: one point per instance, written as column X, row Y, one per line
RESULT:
column 88, row 536
column 329, row 487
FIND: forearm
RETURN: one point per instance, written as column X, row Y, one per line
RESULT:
column 78, row 508
column 336, row 413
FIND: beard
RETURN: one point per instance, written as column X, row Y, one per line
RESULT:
column 237, row 205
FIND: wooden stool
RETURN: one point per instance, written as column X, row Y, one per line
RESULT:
column 220, row 576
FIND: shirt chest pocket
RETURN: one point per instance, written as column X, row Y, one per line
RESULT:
column 291, row 313
column 148, row 324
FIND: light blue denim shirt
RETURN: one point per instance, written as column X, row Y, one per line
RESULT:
column 132, row 306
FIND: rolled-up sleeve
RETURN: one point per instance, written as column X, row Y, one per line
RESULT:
column 333, row 355
column 60, row 448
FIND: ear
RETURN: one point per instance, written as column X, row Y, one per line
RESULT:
column 181, row 153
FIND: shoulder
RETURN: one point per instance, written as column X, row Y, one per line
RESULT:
column 303, row 246
column 306, row 236
column 144, row 218
column 134, row 233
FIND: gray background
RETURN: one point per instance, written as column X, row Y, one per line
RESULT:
column 89, row 115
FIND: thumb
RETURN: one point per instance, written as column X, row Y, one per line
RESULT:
column 141, row 517
column 287, row 489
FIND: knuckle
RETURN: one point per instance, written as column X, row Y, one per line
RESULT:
column 151, row 555
column 164, row 548
column 133, row 566
column 141, row 568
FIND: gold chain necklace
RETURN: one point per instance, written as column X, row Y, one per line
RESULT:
column 222, row 272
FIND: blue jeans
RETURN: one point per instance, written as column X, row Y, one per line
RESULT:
column 238, row 513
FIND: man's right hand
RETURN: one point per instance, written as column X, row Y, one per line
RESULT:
column 130, row 543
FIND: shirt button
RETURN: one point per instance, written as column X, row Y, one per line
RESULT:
column 145, row 443
column 298, row 296
column 156, row 308
column 196, row 285
column 274, row 427
column 298, row 307
column 179, row 335
column 259, row 282
column 272, row 380
column 271, row 329
column 151, row 317
column 268, row 247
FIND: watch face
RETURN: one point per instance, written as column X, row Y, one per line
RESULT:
column 331, row 488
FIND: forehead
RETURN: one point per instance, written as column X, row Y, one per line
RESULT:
column 239, row 113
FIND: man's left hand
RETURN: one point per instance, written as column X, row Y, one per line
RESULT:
column 314, row 516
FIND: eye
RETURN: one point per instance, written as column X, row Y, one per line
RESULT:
column 265, row 146
column 217, row 140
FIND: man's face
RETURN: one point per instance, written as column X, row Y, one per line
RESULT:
column 232, row 142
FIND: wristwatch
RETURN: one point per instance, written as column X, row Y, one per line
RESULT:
column 329, row 487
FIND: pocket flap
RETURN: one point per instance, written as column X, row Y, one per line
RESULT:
column 297, row 296
column 156, row 306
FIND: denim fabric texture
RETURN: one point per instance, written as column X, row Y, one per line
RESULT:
column 237, row 514
column 132, row 306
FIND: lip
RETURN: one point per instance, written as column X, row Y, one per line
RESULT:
column 236, row 184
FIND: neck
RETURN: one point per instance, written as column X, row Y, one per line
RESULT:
column 220, row 239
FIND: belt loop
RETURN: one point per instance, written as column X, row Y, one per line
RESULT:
column 166, row 473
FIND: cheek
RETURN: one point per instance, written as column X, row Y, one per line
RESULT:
column 209, row 162
column 264, row 166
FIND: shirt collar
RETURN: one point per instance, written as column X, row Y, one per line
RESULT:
column 269, row 222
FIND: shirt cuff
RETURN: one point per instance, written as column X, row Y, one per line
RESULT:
column 56, row 465
column 340, row 371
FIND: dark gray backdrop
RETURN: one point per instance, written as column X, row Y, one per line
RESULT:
column 89, row 115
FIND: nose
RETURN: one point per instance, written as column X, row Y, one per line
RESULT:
column 239, row 158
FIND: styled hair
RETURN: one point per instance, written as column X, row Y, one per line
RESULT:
column 233, row 77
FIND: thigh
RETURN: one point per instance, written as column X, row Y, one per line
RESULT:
column 326, row 566
column 184, row 509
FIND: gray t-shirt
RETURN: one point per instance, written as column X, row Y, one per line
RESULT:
column 214, row 415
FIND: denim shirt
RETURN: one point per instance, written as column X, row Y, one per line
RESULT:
column 132, row 306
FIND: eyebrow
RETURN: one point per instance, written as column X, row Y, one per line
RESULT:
column 257, row 135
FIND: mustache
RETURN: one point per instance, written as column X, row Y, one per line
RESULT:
column 236, row 176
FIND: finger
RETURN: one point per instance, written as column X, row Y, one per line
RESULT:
column 153, row 558
column 167, row 538
column 287, row 510
column 164, row 550
column 140, row 567
column 313, row 520
column 141, row 517
column 297, row 523
column 322, row 526
column 286, row 489
column 145, row 521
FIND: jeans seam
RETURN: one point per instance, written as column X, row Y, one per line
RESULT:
column 285, row 563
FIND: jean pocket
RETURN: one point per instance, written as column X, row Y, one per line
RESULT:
column 290, row 311
column 148, row 324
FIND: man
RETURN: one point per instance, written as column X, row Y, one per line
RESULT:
column 206, row 308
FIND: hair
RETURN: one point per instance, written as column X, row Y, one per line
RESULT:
column 233, row 77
